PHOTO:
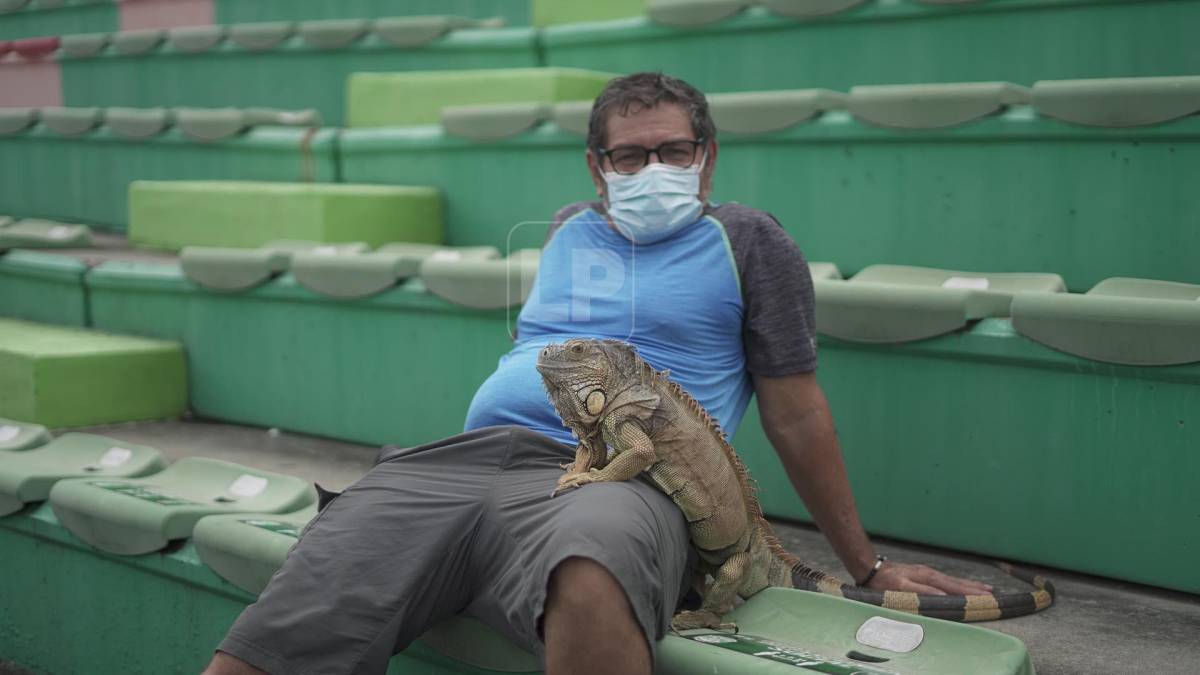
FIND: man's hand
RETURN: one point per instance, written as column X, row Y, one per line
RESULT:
column 923, row 579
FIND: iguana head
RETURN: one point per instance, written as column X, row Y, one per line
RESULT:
column 583, row 376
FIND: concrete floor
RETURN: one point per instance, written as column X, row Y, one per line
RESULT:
column 1097, row 626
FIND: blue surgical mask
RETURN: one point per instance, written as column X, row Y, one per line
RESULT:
column 654, row 203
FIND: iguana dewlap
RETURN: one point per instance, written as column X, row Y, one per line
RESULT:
column 611, row 398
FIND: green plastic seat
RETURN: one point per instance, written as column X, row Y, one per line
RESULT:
column 824, row 270
column 137, row 42
column 895, row 303
column 238, row 269
column 932, row 106
column 572, row 116
column 480, row 284
column 494, row 121
column 261, row 37
column 26, row 477
column 417, row 31
column 196, row 39
column 357, row 275
column 5, row 221
column 210, row 124
column 1137, row 322
column 16, row 436
column 689, row 13
column 36, row 233
column 806, row 9
column 17, row 120
column 84, row 45
column 138, row 123
column 285, row 118
column 757, row 112
column 140, row 515
column 247, row 549
column 333, row 33
column 1119, row 102
column 71, row 121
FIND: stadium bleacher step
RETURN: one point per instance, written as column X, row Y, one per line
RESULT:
column 247, row 549
column 39, row 233
column 140, row 515
column 27, row 477
column 238, row 269
column 43, row 287
column 17, row 436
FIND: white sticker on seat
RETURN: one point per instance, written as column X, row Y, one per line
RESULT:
column 248, row 486
column 59, row 232
column 8, row 432
column 894, row 636
column 976, row 283
column 115, row 457
column 446, row 256
column 325, row 250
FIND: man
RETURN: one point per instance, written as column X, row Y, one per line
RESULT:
column 719, row 295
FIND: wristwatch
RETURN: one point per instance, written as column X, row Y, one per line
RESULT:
column 879, row 560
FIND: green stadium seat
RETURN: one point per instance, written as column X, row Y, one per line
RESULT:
column 211, row 124
column 358, row 275
column 237, row 269
column 43, row 287
column 71, row 121
column 572, row 116
column 402, row 99
column 37, row 233
column 85, row 45
column 1136, row 322
column 824, row 270
column 286, row 118
column 760, row 112
column 128, row 378
column 247, row 549
column 196, row 39
column 557, row 12
column 141, row 515
column 5, row 221
column 138, row 123
column 26, row 477
column 931, row 106
column 173, row 214
column 807, row 9
column 138, row 42
column 691, row 13
column 17, row 120
column 1120, row 102
column 894, row 303
column 481, row 284
column 261, row 37
column 333, row 33
column 16, row 436
column 494, row 121
column 417, row 31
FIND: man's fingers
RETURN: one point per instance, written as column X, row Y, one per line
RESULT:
column 949, row 584
column 914, row 587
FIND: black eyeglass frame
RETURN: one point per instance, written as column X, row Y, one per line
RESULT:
column 607, row 152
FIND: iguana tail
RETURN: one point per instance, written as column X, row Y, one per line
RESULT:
column 964, row 608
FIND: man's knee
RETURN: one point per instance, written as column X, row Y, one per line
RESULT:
column 225, row 664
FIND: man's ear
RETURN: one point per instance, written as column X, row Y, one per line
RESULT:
column 593, row 163
column 710, row 164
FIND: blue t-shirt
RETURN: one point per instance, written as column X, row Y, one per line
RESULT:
column 679, row 301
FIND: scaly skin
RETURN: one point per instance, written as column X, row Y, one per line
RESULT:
column 610, row 397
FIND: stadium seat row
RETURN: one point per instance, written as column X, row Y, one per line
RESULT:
column 37, row 233
column 139, row 123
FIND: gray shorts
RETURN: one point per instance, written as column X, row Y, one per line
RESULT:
column 463, row 525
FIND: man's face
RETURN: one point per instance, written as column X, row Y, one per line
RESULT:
column 649, row 128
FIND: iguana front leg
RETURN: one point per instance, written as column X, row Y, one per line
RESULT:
column 634, row 454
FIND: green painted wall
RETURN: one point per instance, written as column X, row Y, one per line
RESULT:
column 42, row 287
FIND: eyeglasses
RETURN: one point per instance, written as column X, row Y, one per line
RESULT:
column 629, row 159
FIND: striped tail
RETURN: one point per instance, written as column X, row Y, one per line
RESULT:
column 965, row 608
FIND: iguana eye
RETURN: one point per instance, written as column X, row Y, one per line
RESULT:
column 595, row 402
column 577, row 348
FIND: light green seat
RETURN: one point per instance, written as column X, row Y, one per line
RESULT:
column 17, row 120
column 481, row 284
column 35, row 233
column 333, row 33
column 572, row 116
column 895, row 303
column 42, row 368
column 16, row 435
column 757, row 112
column 1136, row 322
column 211, row 124
column 261, row 37
column 247, row 549
column 689, row 13
column 5, row 221
column 557, row 12
column 238, row 269
column 931, row 106
column 138, row 123
column 138, row 42
column 282, row 118
column 141, row 515
column 196, row 39
column 824, row 270
column 1118, row 102
column 71, row 121
column 84, row 45
column 27, row 477
column 493, row 121
column 417, row 31
column 358, row 275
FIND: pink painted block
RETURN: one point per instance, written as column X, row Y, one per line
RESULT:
column 36, row 48
column 140, row 14
column 29, row 84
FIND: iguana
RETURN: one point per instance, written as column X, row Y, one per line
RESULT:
column 609, row 397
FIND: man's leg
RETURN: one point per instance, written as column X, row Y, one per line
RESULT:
column 577, row 643
column 226, row 664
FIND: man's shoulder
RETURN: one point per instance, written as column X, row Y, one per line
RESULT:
column 567, row 213
column 743, row 220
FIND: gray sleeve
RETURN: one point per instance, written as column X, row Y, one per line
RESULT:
column 779, row 324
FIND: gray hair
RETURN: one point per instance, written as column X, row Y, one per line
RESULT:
column 641, row 91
